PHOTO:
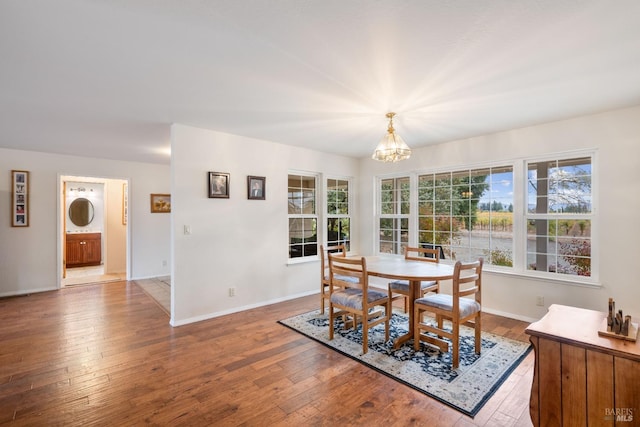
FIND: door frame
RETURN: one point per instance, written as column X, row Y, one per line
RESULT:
column 61, row 222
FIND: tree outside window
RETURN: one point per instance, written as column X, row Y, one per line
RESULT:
column 338, row 218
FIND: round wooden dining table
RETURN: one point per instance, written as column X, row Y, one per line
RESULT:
column 398, row 268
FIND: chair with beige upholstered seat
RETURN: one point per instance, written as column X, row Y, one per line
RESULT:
column 458, row 308
column 350, row 294
column 400, row 288
column 325, row 282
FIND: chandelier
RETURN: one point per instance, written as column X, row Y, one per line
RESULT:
column 391, row 148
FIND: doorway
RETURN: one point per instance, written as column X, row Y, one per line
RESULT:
column 93, row 230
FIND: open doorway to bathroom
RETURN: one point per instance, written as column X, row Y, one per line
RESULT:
column 93, row 230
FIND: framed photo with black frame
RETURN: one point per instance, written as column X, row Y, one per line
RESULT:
column 218, row 185
column 19, row 198
column 256, row 187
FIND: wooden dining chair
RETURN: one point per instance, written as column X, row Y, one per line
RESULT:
column 350, row 294
column 325, row 282
column 400, row 288
column 458, row 308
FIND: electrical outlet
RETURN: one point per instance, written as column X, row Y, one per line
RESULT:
column 540, row 301
column 164, row 263
column 232, row 292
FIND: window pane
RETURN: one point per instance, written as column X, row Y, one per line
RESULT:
column 471, row 214
column 394, row 235
column 560, row 246
column 387, row 208
column 301, row 195
column 302, row 237
column 338, row 231
column 442, row 180
column 405, row 195
column 562, row 186
column 425, row 181
column 442, row 193
column 395, row 203
column 337, row 197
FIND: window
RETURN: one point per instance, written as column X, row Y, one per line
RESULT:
column 468, row 214
column 559, row 216
column 303, row 219
column 395, row 205
column 338, row 217
column 534, row 217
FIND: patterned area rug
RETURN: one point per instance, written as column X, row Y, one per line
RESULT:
column 466, row 389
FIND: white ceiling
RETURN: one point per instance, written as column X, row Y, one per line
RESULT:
column 106, row 78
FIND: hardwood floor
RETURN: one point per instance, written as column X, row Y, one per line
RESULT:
column 106, row 355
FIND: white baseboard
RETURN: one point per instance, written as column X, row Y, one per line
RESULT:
column 26, row 292
column 175, row 323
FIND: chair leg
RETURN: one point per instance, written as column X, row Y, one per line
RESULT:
column 365, row 334
column 417, row 318
column 321, row 302
column 406, row 303
column 478, row 330
column 386, row 324
column 440, row 321
column 330, row 321
column 455, row 344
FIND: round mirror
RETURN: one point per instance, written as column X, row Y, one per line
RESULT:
column 81, row 212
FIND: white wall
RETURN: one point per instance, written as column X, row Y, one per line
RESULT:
column 236, row 242
column 242, row 243
column 616, row 136
column 115, row 254
column 29, row 256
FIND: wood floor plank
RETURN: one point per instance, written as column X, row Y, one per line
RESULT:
column 106, row 355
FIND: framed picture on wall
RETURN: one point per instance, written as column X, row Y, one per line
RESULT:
column 19, row 198
column 218, row 185
column 160, row 203
column 256, row 187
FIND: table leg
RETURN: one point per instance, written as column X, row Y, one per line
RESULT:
column 414, row 289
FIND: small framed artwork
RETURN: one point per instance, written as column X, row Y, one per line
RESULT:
column 160, row 203
column 256, row 189
column 19, row 198
column 125, row 203
column 218, row 185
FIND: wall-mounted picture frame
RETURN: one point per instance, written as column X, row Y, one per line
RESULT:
column 219, row 185
column 160, row 203
column 125, row 203
column 19, row 198
column 256, row 187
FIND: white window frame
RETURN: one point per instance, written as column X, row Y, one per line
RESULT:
column 328, row 216
column 411, row 216
column 520, row 215
column 593, row 279
column 317, row 203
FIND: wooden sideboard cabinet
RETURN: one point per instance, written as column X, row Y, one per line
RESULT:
column 83, row 249
column 581, row 378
